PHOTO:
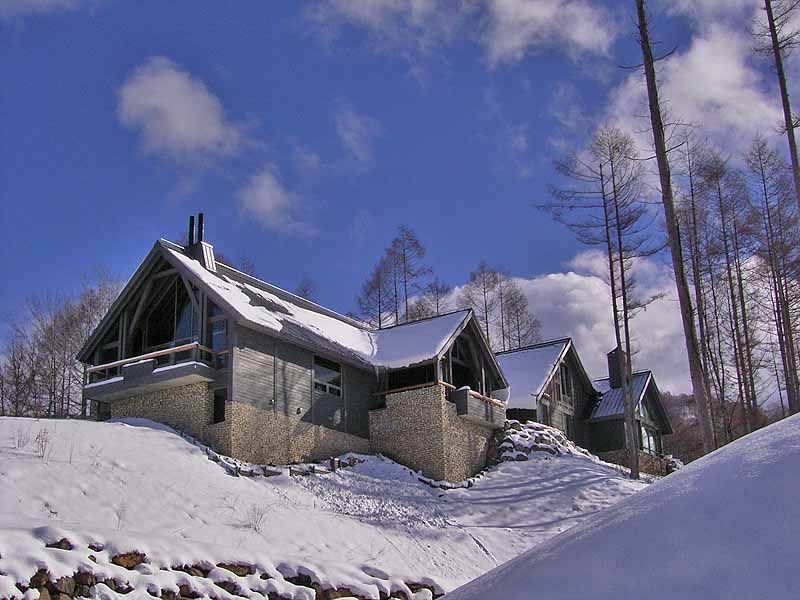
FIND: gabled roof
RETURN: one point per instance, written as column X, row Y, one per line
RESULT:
column 530, row 369
column 612, row 405
column 259, row 305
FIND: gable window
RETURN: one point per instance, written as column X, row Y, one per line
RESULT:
column 220, row 398
column 327, row 376
column 649, row 442
column 217, row 334
column 566, row 384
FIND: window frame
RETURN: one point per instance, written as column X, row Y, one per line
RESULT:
column 324, row 386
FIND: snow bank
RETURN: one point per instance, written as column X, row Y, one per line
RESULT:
column 725, row 526
column 373, row 528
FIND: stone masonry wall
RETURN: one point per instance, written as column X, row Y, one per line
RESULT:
column 270, row 437
column 421, row 429
column 187, row 408
column 648, row 463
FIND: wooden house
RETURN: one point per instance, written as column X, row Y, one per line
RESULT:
column 268, row 377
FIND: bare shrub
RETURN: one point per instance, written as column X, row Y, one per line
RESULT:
column 254, row 517
column 21, row 437
column 120, row 513
column 43, row 443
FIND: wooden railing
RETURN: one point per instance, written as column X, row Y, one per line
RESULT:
column 449, row 386
column 197, row 352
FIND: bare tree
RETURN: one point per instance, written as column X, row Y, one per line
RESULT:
column 778, row 36
column 374, row 301
column 480, row 294
column 699, row 383
column 407, row 257
column 306, row 289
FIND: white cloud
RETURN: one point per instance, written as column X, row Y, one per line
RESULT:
column 265, row 198
column 713, row 84
column 507, row 28
column 20, row 8
column 520, row 26
column 577, row 303
column 704, row 9
column 175, row 113
column 356, row 131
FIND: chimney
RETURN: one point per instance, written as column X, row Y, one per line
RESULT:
column 615, row 368
column 198, row 248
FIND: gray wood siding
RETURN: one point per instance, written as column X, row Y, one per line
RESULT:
column 359, row 389
column 273, row 374
column 254, row 368
column 294, row 381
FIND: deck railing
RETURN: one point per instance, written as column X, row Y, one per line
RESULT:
column 193, row 351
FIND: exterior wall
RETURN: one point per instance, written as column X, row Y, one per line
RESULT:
column 521, row 414
column 273, row 375
column 605, row 436
column 188, row 408
column 420, row 428
column 271, row 437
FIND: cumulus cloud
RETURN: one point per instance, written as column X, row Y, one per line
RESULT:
column 711, row 8
column 356, row 131
column 576, row 302
column 508, row 29
column 175, row 113
column 265, row 198
column 714, row 83
column 516, row 27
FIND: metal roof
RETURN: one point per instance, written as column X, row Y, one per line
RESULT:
column 611, row 403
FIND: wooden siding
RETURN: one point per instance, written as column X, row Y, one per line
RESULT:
column 605, row 436
column 275, row 375
column 359, row 390
column 254, row 368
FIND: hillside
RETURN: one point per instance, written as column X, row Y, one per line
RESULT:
column 726, row 526
column 116, row 489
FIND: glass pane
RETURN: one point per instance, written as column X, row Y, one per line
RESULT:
column 334, row 390
column 161, row 321
column 185, row 314
column 320, row 387
column 214, row 310
column 327, row 371
column 219, row 335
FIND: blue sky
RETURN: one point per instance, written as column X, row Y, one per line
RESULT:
column 307, row 133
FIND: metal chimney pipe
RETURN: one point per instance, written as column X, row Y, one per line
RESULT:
column 191, row 230
column 200, row 227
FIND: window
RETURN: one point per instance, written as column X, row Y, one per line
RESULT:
column 566, row 384
column 220, row 398
column 217, row 334
column 327, row 376
column 644, row 412
column 649, row 442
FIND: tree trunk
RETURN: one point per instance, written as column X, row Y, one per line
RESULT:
column 699, row 384
column 788, row 122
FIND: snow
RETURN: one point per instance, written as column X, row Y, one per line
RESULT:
column 394, row 347
column 104, row 381
column 725, row 526
column 528, row 370
column 373, row 527
column 178, row 366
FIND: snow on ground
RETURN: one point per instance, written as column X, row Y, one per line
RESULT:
column 374, row 527
column 725, row 526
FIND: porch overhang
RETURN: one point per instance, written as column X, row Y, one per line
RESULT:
column 144, row 377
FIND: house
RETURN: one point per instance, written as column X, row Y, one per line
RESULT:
column 607, row 417
column 549, row 385
column 268, row 377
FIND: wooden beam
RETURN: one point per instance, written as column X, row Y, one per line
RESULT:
column 157, row 353
column 190, row 291
column 140, row 306
column 165, row 273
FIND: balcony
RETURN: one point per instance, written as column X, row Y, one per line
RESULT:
column 161, row 369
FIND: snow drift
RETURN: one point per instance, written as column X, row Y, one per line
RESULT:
column 726, row 526
column 374, row 529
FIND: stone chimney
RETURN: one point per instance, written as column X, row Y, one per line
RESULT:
column 614, row 367
column 198, row 248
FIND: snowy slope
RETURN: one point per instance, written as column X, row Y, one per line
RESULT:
column 726, row 526
column 371, row 528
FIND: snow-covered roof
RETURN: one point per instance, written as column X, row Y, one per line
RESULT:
column 529, row 369
column 612, row 403
column 259, row 304
column 724, row 526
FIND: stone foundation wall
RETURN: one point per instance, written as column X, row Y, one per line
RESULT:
column 187, row 408
column 269, row 437
column 421, row 429
column 648, row 463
